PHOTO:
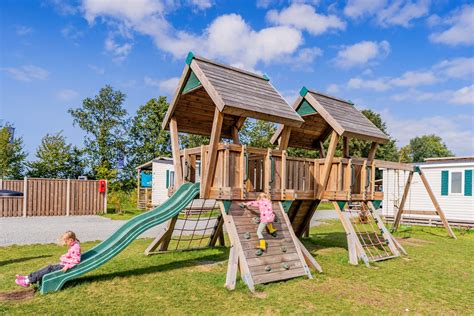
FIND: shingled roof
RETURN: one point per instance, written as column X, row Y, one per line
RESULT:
column 323, row 113
column 206, row 84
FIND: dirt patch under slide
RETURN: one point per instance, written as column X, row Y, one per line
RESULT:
column 19, row 295
column 410, row 241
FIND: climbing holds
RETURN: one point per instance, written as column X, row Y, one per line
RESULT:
column 256, row 220
column 268, row 268
column 285, row 266
column 259, row 252
column 284, row 249
column 241, row 205
column 247, row 235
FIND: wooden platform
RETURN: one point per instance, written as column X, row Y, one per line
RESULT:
column 284, row 258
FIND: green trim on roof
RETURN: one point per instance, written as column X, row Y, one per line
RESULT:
column 303, row 91
column 286, row 205
column 190, row 58
column 266, row 77
column 377, row 203
column 305, row 108
column 341, row 204
column 417, row 169
column 350, row 102
column 227, row 204
column 192, row 83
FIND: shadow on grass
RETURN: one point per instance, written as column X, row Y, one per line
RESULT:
column 17, row 260
column 185, row 263
column 318, row 241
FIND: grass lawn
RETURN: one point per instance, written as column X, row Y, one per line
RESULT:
column 436, row 278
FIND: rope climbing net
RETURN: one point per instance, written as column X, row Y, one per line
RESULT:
column 369, row 232
column 197, row 225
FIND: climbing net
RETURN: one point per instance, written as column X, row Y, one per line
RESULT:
column 368, row 232
column 196, row 223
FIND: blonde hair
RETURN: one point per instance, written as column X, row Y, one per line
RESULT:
column 262, row 196
column 68, row 235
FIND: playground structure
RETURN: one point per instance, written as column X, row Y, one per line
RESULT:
column 215, row 100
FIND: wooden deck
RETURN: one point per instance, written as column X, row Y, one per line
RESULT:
column 243, row 172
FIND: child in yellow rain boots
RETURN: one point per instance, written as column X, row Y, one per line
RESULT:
column 267, row 217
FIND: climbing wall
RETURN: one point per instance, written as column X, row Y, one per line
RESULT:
column 283, row 258
column 300, row 213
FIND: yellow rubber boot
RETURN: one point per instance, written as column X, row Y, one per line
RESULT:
column 271, row 230
column 263, row 244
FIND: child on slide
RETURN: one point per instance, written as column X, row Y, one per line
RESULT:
column 267, row 217
column 67, row 261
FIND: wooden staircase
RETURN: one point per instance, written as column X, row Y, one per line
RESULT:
column 285, row 257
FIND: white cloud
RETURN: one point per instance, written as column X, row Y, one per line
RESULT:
column 464, row 95
column 167, row 86
column 23, row 30
column 67, row 95
column 332, row 88
column 361, row 53
column 27, row 73
column 457, row 68
column 454, row 130
column 98, row 70
column 129, row 10
column 72, row 33
column 201, row 4
column 304, row 17
column 414, row 78
column 376, row 84
column 460, row 28
column 119, row 51
column 388, row 13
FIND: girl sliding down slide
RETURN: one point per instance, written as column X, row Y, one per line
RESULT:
column 267, row 217
column 67, row 261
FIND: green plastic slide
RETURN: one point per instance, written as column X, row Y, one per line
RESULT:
column 119, row 240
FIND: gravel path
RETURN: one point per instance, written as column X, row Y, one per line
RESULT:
column 44, row 230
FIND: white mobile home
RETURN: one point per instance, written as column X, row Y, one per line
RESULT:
column 451, row 182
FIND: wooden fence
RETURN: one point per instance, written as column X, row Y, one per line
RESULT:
column 52, row 197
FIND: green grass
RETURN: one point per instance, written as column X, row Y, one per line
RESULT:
column 124, row 215
column 325, row 206
column 436, row 278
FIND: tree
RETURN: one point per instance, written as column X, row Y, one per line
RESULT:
column 56, row 159
column 147, row 139
column 12, row 155
column 105, row 122
column 257, row 133
column 426, row 146
column 191, row 140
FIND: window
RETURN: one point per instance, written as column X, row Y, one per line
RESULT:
column 456, row 182
column 172, row 178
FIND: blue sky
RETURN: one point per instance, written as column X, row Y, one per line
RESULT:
column 411, row 61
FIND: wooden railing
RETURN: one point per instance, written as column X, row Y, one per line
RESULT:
column 243, row 172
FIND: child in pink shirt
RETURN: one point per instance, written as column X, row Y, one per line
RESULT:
column 267, row 217
column 67, row 261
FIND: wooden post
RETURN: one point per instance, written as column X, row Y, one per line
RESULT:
column 345, row 146
column 321, row 149
column 105, row 197
column 212, row 152
column 328, row 163
column 436, row 204
column 68, row 197
column 372, row 151
column 267, row 173
column 1, row 183
column 138, row 187
column 401, row 207
column 25, row 195
column 178, row 171
column 235, row 135
column 283, row 174
column 285, row 138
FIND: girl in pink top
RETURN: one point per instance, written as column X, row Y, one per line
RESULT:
column 67, row 261
column 267, row 217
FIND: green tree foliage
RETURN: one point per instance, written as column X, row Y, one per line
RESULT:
column 12, row 155
column 56, row 159
column 191, row 141
column 105, row 122
column 257, row 133
column 426, row 146
column 147, row 139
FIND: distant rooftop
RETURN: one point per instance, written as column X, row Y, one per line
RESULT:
column 448, row 159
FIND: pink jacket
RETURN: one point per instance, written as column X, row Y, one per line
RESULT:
column 265, row 208
column 72, row 257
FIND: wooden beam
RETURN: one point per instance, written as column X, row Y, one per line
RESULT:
column 393, row 165
column 345, row 147
column 285, row 138
column 211, row 91
column 310, row 261
column 436, row 204
column 178, row 171
column 322, row 153
column 328, row 163
column 212, row 152
column 235, row 135
column 177, row 94
column 372, row 151
column 401, row 207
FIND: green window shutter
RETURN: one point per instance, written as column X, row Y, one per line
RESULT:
column 167, row 179
column 468, row 182
column 444, row 182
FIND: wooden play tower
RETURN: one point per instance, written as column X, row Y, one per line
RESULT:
column 215, row 100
